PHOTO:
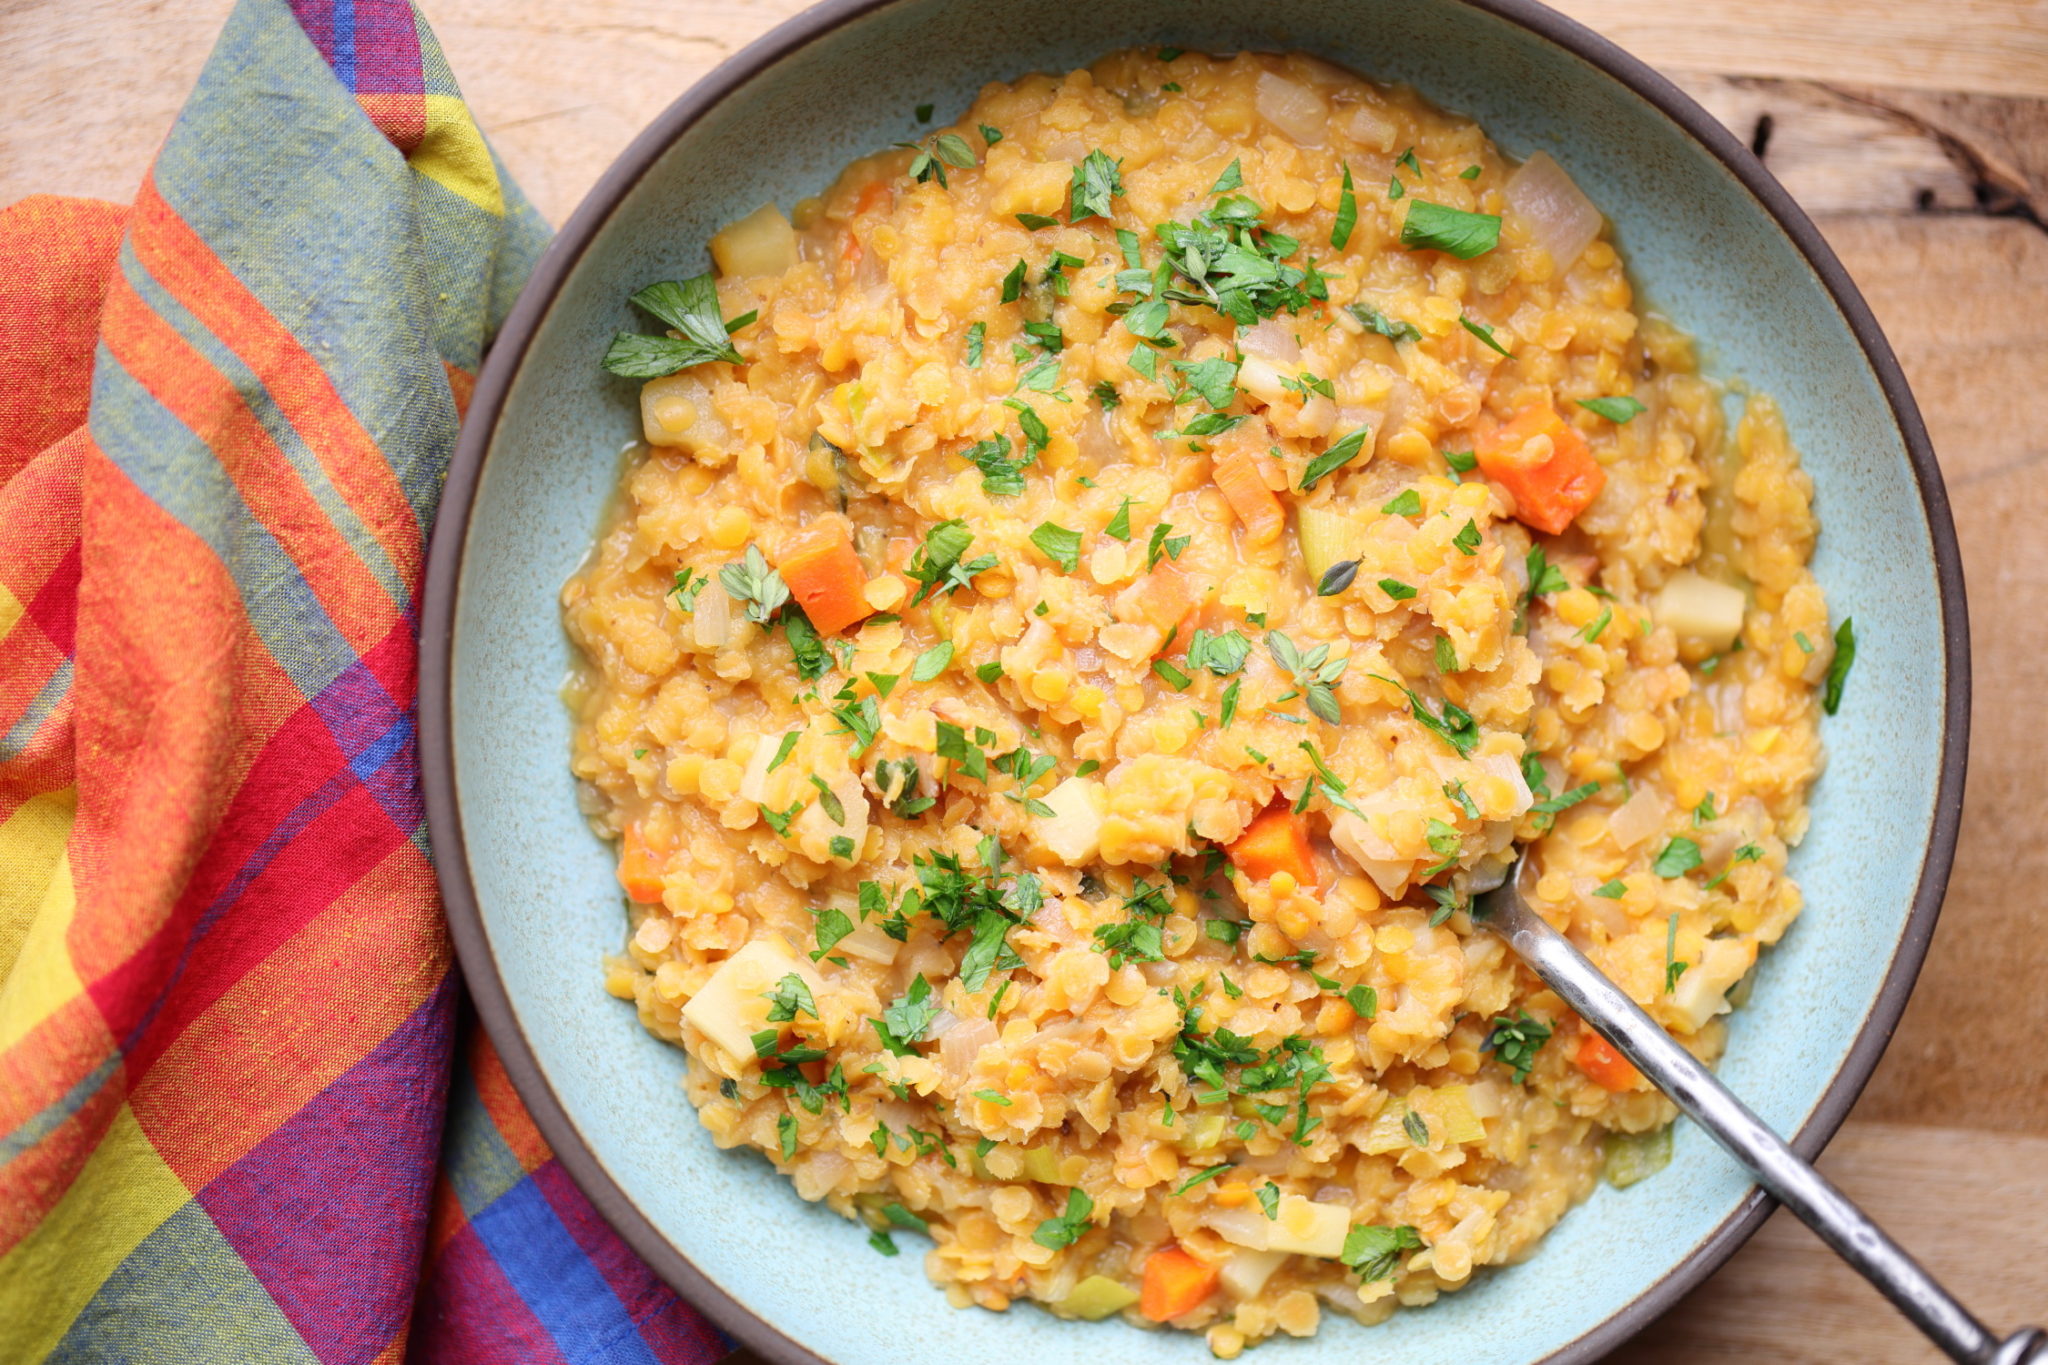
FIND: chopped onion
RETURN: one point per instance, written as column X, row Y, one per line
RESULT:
column 1374, row 856
column 963, row 1041
column 754, row 782
column 1246, row 1272
column 1641, row 816
column 1560, row 218
column 1294, row 109
column 1273, row 341
column 711, row 621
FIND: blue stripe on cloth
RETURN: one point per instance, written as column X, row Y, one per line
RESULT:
column 298, row 452
column 40, row 708
column 182, row 1295
column 344, row 42
column 53, row 1115
column 557, row 1282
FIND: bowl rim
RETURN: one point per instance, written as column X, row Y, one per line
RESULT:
column 450, row 534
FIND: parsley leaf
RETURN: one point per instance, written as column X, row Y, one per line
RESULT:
column 1336, row 457
column 1096, row 181
column 1347, row 214
column 1387, row 327
column 1374, row 1253
column 1454, row 726
column 690, row 307
column 1613, row 409
column 904, row 1022
column 1485, row 334
column 1406, row 503
column 1679, row 857
column 1838, row 667
column 932, row 662
column 1063, row 1230
column 1060, row 545
column 1439, row 227
column 1001, row 476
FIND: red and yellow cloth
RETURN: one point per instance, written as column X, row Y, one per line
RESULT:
column 232, row 1127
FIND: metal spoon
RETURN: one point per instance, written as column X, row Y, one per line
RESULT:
column 1780, row 1170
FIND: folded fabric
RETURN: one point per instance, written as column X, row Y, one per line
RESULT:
column 228, row 1130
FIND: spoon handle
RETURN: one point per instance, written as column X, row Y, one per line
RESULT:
column 1780, row 1170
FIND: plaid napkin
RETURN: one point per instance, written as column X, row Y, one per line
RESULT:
column 228, row 1130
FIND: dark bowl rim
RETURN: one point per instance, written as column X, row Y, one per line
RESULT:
column 501, row 365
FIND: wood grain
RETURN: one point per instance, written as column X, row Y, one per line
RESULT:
column 1916, row 133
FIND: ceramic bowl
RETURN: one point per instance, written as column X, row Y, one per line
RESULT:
column 1712, row 240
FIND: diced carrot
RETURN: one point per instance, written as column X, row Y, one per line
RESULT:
column 1604, row 1066
column 639, row 868
column 1542, row 461
column 1275, row 841
column 1165, row 598
column 871, row 196
column 1174, row 1283
column 826, row 578
column 1236, row 472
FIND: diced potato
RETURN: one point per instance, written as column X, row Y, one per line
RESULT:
column 1073, row 832
column 1327, row 538
column 732, row 1007
column 1096, row 1297
column 1702, row 992
column 1446, row 1111
column 814, row 830
column 675, row 410
column 869, row 943
column 1308, row 1228
column 762, row 243
column 1246, row 1272
column 1700, row 611
column 1260, row 378
column 1302, row 1227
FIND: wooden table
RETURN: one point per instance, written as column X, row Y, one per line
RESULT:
column 1915, row 131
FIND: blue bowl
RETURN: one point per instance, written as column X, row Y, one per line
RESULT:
column 1713, row 240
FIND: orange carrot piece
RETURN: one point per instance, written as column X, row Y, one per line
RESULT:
column 1165, row 598
column 826, row 578
column 1604, row 1066
column 871, row 196
column 1552, row 479
column 1275, row 841
column 1237, row 473
column 1174, row 1283
column 639, row 868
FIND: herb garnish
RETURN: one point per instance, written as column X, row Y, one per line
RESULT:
column 1063, row 1230
column 1516, row 1042
column 1439, row 227
column 753, row 582
column 1618, row 409
column 1336, row 457
column 690, row 307
column 1374, row 1253
column 1838, row 667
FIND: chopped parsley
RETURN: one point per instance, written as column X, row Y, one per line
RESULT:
column 1467, row 540
column 1439, row 227
column 784, row 749
column 1231, row 179
column 932, row 662
column 1453, row 725
column 1060, row 545
column 785, row 1133
column 1673, row 969
column 1063, row 1230
column 1617, row 409
column 1485, row 334
column 1748, row 853
column 1374, row 1253
column 947, row 149
column 1679, row 857
column 1119, row 527
column 977, row 335
column 1613, row 890
column 1336, row 457
column 812, row 660
column 1222, row 653
column 689, row 583
column 1396, row 589
column 937, row 563
column 1347, row 213
column 1013, row 283
column 1206, row 1173
column 1838, row 668
column 1376, row 321
column 1406, row 503
column 1096, row 181
column 1163, row 542
column 790, row 998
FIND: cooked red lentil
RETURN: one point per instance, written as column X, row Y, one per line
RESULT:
column 1057, row 670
